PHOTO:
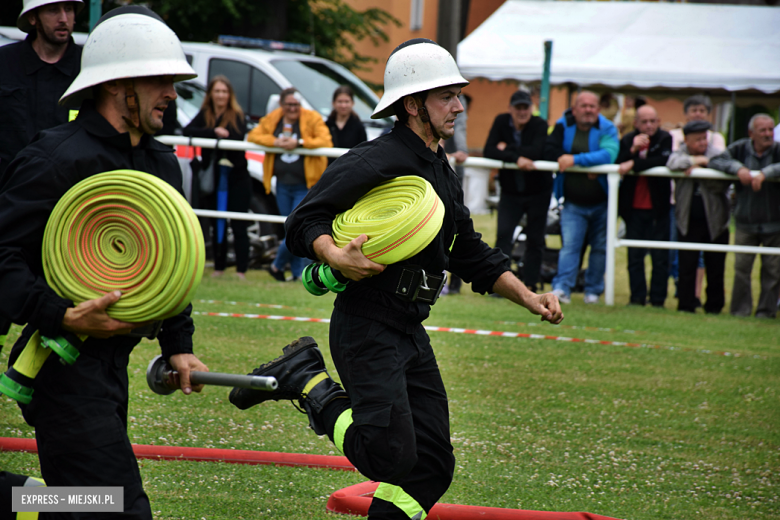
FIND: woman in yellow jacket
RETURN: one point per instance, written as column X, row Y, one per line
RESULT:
column 290, row 127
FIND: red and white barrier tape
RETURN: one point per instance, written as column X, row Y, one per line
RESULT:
column 520, row 324
column 263, row 305
column 494, row 333
column 596, row 329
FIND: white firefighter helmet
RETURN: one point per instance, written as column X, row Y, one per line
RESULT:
column 29, row 5
column 127, row 44
column 415, row 66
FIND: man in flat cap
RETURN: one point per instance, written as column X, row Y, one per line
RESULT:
column 702, row 214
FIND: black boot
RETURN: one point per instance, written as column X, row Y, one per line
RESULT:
column 301, row 374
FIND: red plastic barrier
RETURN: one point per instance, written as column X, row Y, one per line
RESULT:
column 145, row 451
column 355, row 500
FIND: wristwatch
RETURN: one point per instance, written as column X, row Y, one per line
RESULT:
column 300, row 142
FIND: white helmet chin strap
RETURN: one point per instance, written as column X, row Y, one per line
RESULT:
column 131, row 100
column 430, row 132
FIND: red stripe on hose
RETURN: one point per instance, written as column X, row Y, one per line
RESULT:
column 410, row 234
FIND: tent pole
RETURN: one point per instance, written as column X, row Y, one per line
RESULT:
column 733, row 116
column 544, row 97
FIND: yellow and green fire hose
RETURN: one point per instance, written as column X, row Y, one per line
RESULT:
column 121, row 230
column 400, row 217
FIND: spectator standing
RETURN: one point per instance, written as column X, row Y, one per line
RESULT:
column 582, row 137
column 702, row 216
column 36, row 72
column 519, row 137
column 221, row 117
column 757, row 213
column 290, row 126
column 696, row 108
column 346, row 128
column 644, row 204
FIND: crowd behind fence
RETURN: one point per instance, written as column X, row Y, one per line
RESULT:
column 610, row 170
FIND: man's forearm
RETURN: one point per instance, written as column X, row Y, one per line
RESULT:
column 323, row 247
column 511, row 288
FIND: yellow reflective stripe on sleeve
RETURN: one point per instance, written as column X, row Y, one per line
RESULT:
column 340, row 429
column 2, row 340
column 313, row 382
column 401, row 499
column 72, row 114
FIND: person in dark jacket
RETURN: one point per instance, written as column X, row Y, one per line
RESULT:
column 519, row 137
column 346, row 128
column 757, row 214
column 393, row 421
column 221, row 117
column 35, row 73
column 644, row 203
column 80, row 412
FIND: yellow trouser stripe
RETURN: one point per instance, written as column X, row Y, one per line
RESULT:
column 340, row 429
column 313, row 382
column 401, row 499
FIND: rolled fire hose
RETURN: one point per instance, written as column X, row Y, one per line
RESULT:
column 400, row 217
column 120, row 230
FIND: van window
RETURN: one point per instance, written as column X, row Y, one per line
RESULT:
column 262, row 88
column 252, row 86
column 317, row 81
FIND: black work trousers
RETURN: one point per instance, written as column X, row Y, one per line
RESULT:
column 400, row 433
column 714, row 263
column 239, row 198
column 80, row 417
column 647, row 224
column 511, row 208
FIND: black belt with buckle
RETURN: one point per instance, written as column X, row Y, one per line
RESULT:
column 149, row 330
column 415, row 285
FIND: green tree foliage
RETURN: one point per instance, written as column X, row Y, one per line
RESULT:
column 334, row 28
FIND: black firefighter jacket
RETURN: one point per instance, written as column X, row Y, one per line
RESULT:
column 30, row 188
column 398, row 153
column 30, row 90
column 660, row 187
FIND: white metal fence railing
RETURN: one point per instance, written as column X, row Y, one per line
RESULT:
column 610, row 170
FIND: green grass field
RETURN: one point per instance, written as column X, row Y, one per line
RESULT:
column 677, row 432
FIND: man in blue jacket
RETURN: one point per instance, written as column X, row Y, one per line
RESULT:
column 582, row 137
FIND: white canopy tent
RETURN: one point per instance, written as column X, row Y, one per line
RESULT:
column 640, row 44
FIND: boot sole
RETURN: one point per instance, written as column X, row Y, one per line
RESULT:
column 289, row 351
column 242, row 394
